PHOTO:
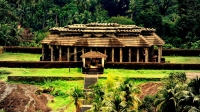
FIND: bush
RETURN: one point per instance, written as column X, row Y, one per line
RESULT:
column 147, row 105
column 121, row 20
column 168, row 46
column 4, row 72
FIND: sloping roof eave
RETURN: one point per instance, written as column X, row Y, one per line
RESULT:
column 93, row 54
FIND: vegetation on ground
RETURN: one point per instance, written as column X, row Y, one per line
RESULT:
column 76, row 72
column 8, row 56
column 182, row 59
column 115, row 94
column 60, row 93
column 62, row 72
column 178, row 93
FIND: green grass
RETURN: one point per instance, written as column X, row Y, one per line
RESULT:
column 76, row 72
column 182, row 59
column 60, row 102
column 7, row 56
column 142, row 73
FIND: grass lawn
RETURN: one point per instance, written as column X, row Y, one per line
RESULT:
column 142, row 73
column 76, row 72
column 7, row 56
column 182, row 59
column 63, row 88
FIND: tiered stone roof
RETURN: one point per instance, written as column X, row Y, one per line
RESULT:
column 103, row 35
column 93, row 54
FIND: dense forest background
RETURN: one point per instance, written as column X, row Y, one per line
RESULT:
column 176, row 21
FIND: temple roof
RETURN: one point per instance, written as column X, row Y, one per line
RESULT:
column 103, row 35
column 93, row 54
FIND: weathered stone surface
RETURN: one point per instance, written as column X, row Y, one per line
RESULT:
column 22, row 98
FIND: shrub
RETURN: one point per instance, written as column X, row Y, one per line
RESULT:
column 4, row 72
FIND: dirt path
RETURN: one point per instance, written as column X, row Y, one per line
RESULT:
column 150, row 88
column 191, row 75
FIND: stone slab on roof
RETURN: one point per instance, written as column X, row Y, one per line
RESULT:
column 103, row 35
column 154, row 40
column 64, row 41
column 48, row 39
column 94, row 54
column 99, row 42
column 137, row 41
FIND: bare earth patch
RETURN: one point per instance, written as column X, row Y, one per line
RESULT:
column 150, row 88
column 192, row 75
column 22, row 98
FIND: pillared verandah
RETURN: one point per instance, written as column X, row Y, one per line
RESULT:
column 120, row 43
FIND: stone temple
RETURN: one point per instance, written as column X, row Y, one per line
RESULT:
column 97, row 43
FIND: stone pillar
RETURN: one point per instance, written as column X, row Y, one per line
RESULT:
column 146, row 50
column 102, row 60
column 120, row 55
column 68, row 54
column 113, row 53
column 60, row 53
column 159, row 53
column 75, row 54
column 82, row 50
column 83, row 59
column 138, row 55
column 43, row 52
column 104, row 50
column 129, row 54
column 52, row 53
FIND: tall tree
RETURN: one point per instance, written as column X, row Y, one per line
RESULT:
column 188, row 25
column 8, row 24
column 116, row 7
column 77, row 94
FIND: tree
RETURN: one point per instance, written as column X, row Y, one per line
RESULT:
column 116, row 7
column 130, row 93
column 114, row 102
column 148, row 15
column 77, row 94
column 121, row 20
column 117, row 95
column 147, row 105
column 191, row 101
column 174, row 87
column 188, row 26
column 98, row 95
column 8, row 24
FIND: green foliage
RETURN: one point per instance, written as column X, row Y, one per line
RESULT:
column 115, row 94
column 38, row 36
column 121, row 20
column 4, row 72
column 77, row 94
column 176, row 21
column 147, row 105
column 173, row 79
column 196, row 45
column 168, row 46
column 178, row 94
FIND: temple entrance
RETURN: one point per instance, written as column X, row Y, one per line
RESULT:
column 93, row 62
